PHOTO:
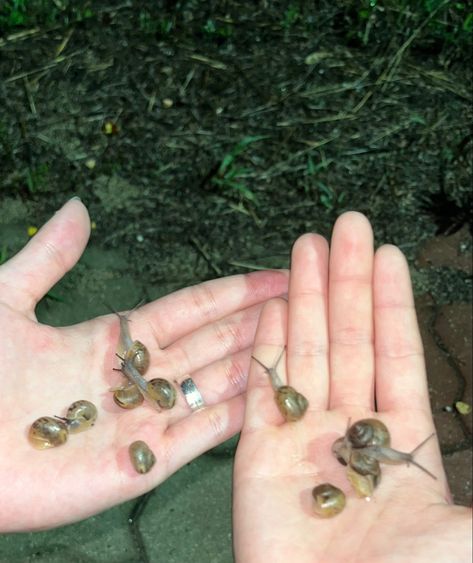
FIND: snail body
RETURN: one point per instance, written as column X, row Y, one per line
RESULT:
column 141, row 456
column 80, row 416
column 328, row 500
column 291, row 404
column 48, row 432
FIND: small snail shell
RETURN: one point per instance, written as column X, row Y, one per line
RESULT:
column 141, row 456
column 139, row 356
column 163, row 392
column 128, row 397
column 80, row 416
column 47, row 432
column 368, row 432
column 363, row 485
column 291, row 403
column 328, row 500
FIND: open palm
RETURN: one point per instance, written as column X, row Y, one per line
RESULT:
column 354, row 350
column 206, row 331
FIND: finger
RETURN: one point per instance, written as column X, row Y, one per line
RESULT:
column 207, row 344
column 52, row 252
column 351, row 313
column 307, row 320
column 184, row 311
column 401, row 381
column 261, row 410
column 203, row 430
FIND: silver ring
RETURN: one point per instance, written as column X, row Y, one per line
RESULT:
column 192, row 394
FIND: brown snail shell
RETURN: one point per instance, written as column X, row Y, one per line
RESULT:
column 163, row 392
column 139, row 356
column 291, row 403
column 365, row 464
column 328, row 500
column 47, row 432
column 368, row 432
column 141, row 456
column 363, row 485
column 80, row 416
column 128, row 397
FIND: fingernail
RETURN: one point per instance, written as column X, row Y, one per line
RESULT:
column 75, row 197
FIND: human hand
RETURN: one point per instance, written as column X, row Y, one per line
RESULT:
column 205, row 330
column 352, row 345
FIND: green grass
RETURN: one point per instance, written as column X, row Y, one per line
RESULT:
column 230, row 176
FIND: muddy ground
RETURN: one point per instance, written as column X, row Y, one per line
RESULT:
column 204, row 137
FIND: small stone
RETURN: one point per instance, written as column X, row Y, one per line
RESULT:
column 167, row 103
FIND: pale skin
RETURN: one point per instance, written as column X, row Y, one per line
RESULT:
column 352, row 337
column 206, row 330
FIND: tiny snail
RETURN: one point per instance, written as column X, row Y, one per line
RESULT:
column 142, row 458
column 47, row 432
column 139, row 356
column 291, row 404
column 133, row 350
column 328, row 500
column 128, row 397
column 80, row 416
column 163, row 392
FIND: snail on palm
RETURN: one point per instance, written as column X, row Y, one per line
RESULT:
column 50, row 432
column 365, row 445
column 328, row 500
column 128, row 396
column 134, row 350
column 291, row 404
column 141, row 456
column 80, row 416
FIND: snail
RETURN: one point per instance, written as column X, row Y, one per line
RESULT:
column 80, row 416
column 127, row 396
column 365, row 445
column 48, row 432
column 163, row 392
column 365, row 432
column 133, row 350
column 158, row 392
column 291, row 404
column 328, row 500
column 141, row 456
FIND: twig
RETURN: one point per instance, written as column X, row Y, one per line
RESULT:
column 195, row 241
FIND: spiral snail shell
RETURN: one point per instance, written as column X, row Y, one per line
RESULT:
column 128, row 397
column 142, row 458
column 291, row 404
column 139, row 356
column 368, row 432
column 47, row 432
column 163, row 392
column 328, row 500
column 80, row 416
